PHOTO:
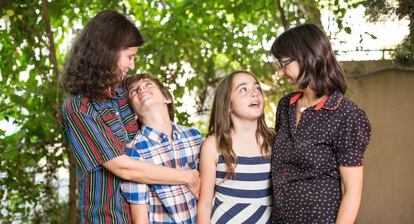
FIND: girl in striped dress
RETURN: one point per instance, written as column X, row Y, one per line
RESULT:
column 234, row 162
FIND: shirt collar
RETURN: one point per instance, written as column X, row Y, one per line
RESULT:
column 330, row 102
column 158, row 136
column 111, row 94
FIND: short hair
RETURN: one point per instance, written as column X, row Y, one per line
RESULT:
column 130, row 80
column 312, row 50
column 91, row 65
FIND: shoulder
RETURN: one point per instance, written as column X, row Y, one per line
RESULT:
column 353, row 116
column 210, row 142
column 76, row 104
column 209, row 147
column 187, row 131
column 350, row 108
column 285, row 100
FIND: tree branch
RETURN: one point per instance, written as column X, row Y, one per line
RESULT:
column 285, row 23
column 52, row 48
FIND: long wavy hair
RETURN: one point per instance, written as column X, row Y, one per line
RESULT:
column 91, row 65
column 311, row 48
column 221, row 125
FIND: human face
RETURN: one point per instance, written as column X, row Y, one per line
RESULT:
column 144, row 94
column 126, row 61
column 289, row 69
column 247, row 101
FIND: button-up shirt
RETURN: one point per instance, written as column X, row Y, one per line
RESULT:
column 306, row 157
column 166, row 203
column 97, row 131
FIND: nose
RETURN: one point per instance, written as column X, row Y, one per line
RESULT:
column 280, row 72
column 132, row 64
column 255, row 92
column 140, row 88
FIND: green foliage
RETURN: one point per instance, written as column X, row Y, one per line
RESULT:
column 401, row 9
column 404, row 53
column 189, row 44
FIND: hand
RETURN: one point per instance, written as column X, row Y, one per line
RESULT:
column 194, row 182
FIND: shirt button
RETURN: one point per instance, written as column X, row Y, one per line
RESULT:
column 286, row 156
column 285, row 173
column 304, row 116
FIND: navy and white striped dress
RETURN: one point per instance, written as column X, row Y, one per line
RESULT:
column 245, row 198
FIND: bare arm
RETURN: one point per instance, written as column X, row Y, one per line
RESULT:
column 208, row 163
column 139, row 213
column 140, row 171
column 352, row 180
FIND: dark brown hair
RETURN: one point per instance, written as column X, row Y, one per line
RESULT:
column 221, row 125
column 91, row 65
column 311, row 48
column 130, row 80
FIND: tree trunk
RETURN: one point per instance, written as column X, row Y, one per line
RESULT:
column 283, row 18
column 311, row 12
column 73, row 210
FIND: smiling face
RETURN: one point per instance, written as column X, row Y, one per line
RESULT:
column 290, row 71
column 126, row 61
column 146, row 93
column 247, row 101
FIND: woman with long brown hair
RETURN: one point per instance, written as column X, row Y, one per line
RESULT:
column 235, row 157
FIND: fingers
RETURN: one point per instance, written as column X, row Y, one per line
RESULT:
column 195, row 183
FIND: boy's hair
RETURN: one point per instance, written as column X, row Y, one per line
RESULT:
column 130, row 80
column 91, row 65
column 312, row 50
column 221, row 125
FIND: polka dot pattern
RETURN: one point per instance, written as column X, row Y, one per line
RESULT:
column 306, row 158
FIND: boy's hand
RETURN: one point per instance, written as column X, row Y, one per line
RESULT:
column 194, row 182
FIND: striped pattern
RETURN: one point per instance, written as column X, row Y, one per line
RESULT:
column 97, row 131
column 167, row 203
column 247, row 197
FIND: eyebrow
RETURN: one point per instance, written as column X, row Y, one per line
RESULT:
column 245, row 83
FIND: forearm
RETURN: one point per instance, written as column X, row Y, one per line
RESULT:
column 203, row 211
column 139, row 213
column 153, row 174
column 144, row 172
column 352, row 184
column 348, row 209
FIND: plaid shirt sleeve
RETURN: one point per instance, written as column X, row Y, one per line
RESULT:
column 135, row 193
column 92, row 142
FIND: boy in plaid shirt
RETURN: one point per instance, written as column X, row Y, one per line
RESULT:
column 161, row 142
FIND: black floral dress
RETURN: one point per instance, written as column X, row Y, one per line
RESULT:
column 306, row 157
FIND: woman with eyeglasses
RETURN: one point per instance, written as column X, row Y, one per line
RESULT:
column 321, row 136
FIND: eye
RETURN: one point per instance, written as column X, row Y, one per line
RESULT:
column 242, row 89
column 133, row 92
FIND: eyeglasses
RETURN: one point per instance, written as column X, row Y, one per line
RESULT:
column 276, row 64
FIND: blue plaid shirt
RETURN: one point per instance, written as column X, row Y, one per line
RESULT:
column 166, row 203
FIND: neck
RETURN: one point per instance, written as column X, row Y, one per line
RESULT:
column 309, row 96
column 244, row 127
column 157, row 120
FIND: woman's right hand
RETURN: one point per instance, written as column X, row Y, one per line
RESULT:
column 193, row 182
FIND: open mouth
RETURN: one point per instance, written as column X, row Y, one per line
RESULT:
column 254, row 104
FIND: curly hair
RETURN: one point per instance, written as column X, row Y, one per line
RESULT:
column 91, row 65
